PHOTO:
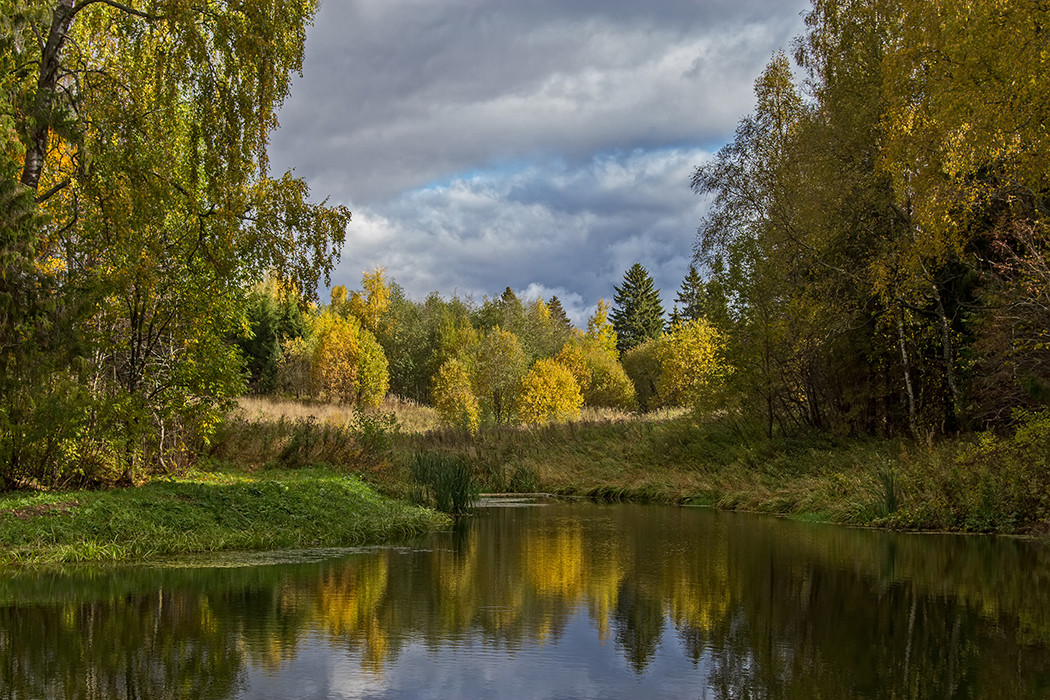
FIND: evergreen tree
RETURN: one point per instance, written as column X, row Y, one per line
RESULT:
column 692, row 296
column 638, row 314
column 558, row 315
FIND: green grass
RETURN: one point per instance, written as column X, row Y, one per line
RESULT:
column 204, row 512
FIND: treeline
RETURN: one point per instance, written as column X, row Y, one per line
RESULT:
column 879, row 228
column 500, row 361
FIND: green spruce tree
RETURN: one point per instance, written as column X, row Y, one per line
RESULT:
column 558, row 315
column 692, row 296
column 638, row 314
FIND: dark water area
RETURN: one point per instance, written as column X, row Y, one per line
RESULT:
column 551, row 601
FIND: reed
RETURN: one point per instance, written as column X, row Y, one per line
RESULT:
column 449, row 480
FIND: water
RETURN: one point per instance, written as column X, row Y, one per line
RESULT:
column 552, row 601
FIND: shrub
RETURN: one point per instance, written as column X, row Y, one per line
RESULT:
column 549, row 392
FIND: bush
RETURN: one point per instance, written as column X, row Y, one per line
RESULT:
column 549, row 393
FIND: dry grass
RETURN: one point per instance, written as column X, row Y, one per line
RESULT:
column 412, row 417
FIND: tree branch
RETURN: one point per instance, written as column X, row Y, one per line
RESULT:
column 53, row 191
column 120, row 6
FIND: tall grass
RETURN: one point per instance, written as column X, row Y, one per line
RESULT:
column 983, row 483
column 449, row 480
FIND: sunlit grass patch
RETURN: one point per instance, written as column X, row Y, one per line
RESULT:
column 205, row 511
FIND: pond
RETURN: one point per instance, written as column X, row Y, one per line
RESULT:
column 552, row 601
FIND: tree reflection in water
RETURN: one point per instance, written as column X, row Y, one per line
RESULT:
column 626, row 597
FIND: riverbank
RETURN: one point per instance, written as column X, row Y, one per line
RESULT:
column 204, row 511
column 278, row 481
column 973, row 483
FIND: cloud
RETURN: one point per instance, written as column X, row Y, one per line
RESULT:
column 396, row 94
column 541, row 145
column 549, row 227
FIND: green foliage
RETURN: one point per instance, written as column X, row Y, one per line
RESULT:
column 156, row 213
column 419, row 337
column 449, row 479
column 274, row 316
column 496, row 373
column 638, row 312
column 642, row 365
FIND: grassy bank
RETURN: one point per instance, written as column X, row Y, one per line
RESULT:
column 203, row 512
column 312, row 476
column 978, row 483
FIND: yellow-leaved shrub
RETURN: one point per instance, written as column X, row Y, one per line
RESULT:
column 348, row 363
column 692, row 368
column 549, row 392
column 602, row 379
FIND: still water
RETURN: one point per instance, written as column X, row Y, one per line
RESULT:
column 552, row 601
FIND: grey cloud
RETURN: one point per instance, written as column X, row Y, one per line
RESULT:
column 544, row 145
column 396, row 94
column 480, row 234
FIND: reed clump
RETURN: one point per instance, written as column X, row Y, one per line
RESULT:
column 449, row 481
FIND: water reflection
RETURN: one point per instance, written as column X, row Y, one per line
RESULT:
column 558, row 601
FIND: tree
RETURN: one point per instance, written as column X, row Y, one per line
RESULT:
column 274, row 316
column 642, row 365
column 142, row 139
column 598, row 372
column 497, row 371
column 370, row 304
column 692, row 366
column 558, row 315
column 600, row 328
column 692, row 297
column 454, row 397
column 549, row 392
column 348, row 363
column 638, row 312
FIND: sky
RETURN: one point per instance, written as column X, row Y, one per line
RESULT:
column 544, row 145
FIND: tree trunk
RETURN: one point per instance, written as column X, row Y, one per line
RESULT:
column 948, row 350
column 41, row 118
column 907, row 371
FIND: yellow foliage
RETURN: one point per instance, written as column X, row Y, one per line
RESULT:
column 338, row 297
column 549, row 392
column 597, row 369
column 348, row 363
column 692, row 368
column 369, row 305
column 600, row 328
column 454, row 398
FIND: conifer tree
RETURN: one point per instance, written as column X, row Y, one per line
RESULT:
column 692, row 296
column 638, row 314
column 558, row 314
